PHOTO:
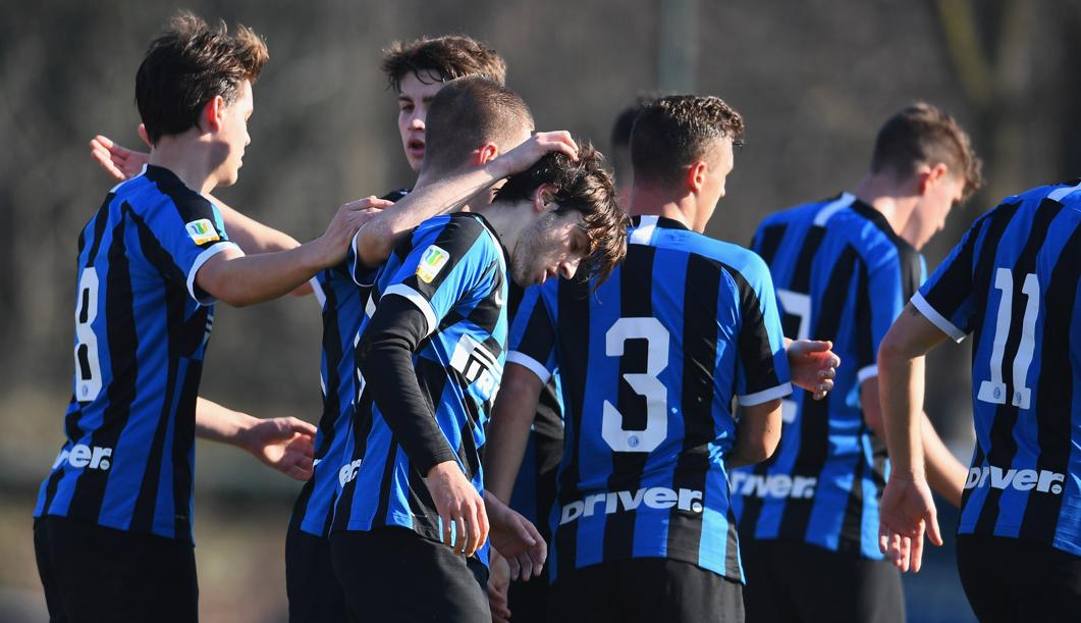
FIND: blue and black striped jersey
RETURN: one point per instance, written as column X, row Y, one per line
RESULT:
column 1012, row 282
column 343, row 305
column 453, row 269
column 141, row 329
column 841, row 274
column 649, row 365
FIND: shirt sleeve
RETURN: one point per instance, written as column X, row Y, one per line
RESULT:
column 948, row 299
column 532, row 333
column 762, row 371
column 190, row 234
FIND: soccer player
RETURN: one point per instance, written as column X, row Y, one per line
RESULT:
column 1012, row 282
column 620, row 153
column 843, row 268
column 650, row 362
column 431, row 358
column 113, row 519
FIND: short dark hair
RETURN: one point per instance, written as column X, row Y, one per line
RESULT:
column 449, row 57
column 467, row 113
column 585, row 186
column 922, row 134
column 190, row 64
column 620, row 138
column 676, row 130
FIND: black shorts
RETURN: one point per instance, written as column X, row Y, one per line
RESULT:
column 1015, row 580
column 315, row 595
column 528, row 601
column 93, row 573
column 800, row 582
column 394, row 574
column 646, row 590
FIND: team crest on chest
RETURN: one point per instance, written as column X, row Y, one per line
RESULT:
column 431, row 262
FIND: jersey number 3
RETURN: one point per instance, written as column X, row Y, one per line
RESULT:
column 644, row 384
column 87, row 367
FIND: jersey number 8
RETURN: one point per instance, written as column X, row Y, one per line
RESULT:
column 87, row 367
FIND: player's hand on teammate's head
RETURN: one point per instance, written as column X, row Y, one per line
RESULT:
column 286, row 444
column 813, row 366
column 516, row 539
column 498, row 587
column 539, row 145
column 461, row 509
column 906, row 514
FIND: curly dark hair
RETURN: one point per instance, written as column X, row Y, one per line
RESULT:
column 190, row 64
column 922, row 134
column 585, row 186
column 449, row 57
column 674, row 131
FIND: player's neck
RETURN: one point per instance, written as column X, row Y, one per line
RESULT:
column 653, row 201
column 888, row 197
column 508, row 221
column 188, row 159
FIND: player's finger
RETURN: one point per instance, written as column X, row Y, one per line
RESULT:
column 916, row 557
column 448, row 530
column 482, row 523
column 906, row 554
column 300, row 426
column 296, row 473
column 934, row 533
column 461, row 536
column 883, row 539
column 305, row 462
column 515, row 567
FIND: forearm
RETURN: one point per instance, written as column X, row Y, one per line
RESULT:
column 217, row 423
column 757, row 434
column 945, row 473
column 253, row 236
column 508, row 432
column 241, row 280
column 901, row 404
column 376, row 239
column 387, row 366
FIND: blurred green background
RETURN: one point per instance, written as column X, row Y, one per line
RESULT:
column 814, row 80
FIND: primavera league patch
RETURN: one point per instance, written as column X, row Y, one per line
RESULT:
column 433, row 261
column 202, row 231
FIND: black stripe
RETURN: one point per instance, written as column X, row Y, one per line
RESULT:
column 457, row 238
column 573, row 324
column 801, row 280
column 814, row 414
column 385, row 485
column 852, row 521
column 332, row 350
column 1054, row 393
column 362, row 421
column 183, row 441
column 701, row 290
column 768, row 241
column 753, row 342
column 1003, row 444
column 89, row 491
column 636, row 294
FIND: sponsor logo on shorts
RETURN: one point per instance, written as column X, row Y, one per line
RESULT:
column 202, row 231
column 1042, row 480
column 773, row 485
column 82, row 456
column 612, row 502
column 431, row 262
column 348, row 472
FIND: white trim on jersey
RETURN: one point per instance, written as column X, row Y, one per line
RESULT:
column 201, row 259
column 867, row 372
column 643, row 234
column 141, row 173
column 765, row 395
column 417, row 299
column 1060, row 193
column 936, row 318
column 534, row 366
column 842, row 202
column 317, row 290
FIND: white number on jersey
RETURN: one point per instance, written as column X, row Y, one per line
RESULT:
column 799, row 305
column 87, row 367
column 645, row 384
column 994, row 390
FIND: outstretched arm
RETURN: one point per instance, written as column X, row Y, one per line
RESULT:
column 284, row 444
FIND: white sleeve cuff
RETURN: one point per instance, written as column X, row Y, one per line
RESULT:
column 317, row 290
column 936, row 318
column 867, row 372
column 422, row 304
column 766, row 395
column 534, row 366
column 201, row 259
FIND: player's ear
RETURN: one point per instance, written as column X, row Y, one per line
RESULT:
column 696, row 175
column 485, row 154
column 210, row 119
column 542, row 198
column 927, row 176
